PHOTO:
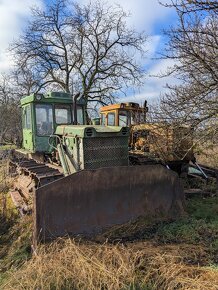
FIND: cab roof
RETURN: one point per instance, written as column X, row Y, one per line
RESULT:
column 50, row 97
column 127, row 106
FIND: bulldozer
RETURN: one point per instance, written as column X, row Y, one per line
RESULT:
column 75, row 179
column 159, row 142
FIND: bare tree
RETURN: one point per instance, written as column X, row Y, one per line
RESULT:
column 10, row 119
column 74, row 48
column 193, row 46
column 26, row 80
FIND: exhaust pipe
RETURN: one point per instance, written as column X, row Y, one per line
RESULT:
column 75, row 108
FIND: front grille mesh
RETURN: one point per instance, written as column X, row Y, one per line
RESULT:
column 105, row 152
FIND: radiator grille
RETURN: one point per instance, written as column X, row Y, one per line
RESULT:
column 105, row 152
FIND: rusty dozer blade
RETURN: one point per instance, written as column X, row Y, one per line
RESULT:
column 89, row 201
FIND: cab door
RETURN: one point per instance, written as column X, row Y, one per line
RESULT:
column 27, row 128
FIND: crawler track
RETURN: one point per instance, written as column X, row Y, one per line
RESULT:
column 30, row 175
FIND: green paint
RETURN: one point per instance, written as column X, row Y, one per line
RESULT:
column 49, row 117
column 32, row 140
column 90, row 130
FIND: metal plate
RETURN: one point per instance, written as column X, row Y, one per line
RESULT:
column 88, row 201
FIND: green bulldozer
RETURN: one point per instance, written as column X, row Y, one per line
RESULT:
column 75, row 179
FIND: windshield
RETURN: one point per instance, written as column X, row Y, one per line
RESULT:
column 111, row 119
column 44, row 119
column 124, row 118
column 63, row 114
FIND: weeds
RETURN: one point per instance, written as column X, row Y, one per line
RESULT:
column 14, row 233
column 7, row 147
column 171, row 255
column 141, row 255
column 206, row 209
column 67, row 264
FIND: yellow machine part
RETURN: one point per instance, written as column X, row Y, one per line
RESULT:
column 167, row 142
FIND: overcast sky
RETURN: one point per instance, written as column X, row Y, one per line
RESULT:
column 147, row 15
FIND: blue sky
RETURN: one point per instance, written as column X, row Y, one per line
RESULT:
column 147, row 15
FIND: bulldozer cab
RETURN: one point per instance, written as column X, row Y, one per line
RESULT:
column 123, row 114
column 169, row 142
column 42, row 113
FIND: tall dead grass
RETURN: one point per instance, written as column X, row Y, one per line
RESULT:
column 6, row 182
column 67, row 264
column 4, row 186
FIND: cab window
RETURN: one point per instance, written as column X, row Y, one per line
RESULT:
column 123, row 118
column 136, row 118
column 142, row 117
column 103, row 120
column 63, row 114
column 44, row 119
column 27, row 117
column 111, row 119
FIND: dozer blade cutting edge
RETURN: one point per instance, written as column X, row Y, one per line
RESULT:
column 89, row 201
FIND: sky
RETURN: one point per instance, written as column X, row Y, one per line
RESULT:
column 147, row 15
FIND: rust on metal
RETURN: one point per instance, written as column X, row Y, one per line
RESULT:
column 88, row 201
column 30, row 175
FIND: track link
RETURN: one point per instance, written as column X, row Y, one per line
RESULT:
column 30, row 175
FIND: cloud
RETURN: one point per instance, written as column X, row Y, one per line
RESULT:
column 13, row 17
column 154, row 86
column 144, row 13
column 162, row 66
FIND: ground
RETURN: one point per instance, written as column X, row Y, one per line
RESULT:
column 175, row 254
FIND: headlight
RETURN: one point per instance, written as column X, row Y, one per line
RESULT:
column 39, row 97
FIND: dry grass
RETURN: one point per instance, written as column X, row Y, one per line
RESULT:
column 70, row 264
column 6, row 182
column 67, row 264
column 169, row 272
